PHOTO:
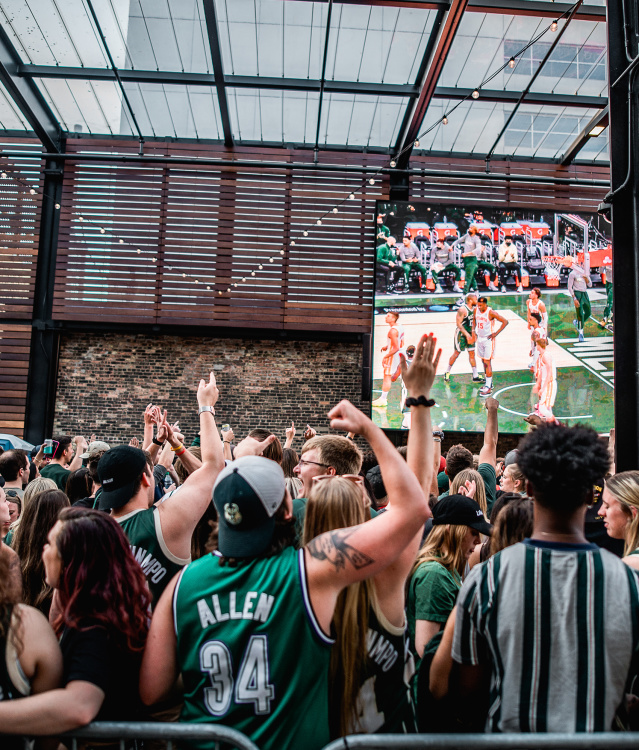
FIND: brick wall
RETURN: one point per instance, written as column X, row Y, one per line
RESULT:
column 105, row 381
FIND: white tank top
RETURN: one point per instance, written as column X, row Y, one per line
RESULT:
column 483, row 323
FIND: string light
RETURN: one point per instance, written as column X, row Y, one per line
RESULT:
column 57, row 205
column 282, row 252
column 102, row 230
column 393, row 163
column 372, row 181
column 32, row 191
column 445, row 120
column 122, row 242
column 260, row 267
column 305, row 233
column 252, row 273
column 319, row 222
column 351, row 197
column 553, row 26
column 335, row 210
column 292, row 242
column 138, row 251
column 416, row 144
column 270, row 260
column 4, row 175
column 80, row 218
column 511, row 62
column 475, row 94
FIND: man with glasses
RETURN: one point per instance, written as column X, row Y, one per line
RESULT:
column 327, row 454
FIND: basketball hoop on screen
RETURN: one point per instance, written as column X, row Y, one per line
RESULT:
column 552, row 268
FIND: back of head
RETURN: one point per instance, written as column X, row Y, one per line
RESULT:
column 179, row 466
column 290, row 459
column 333, row 504
column 99, row 576
column 79, row 485
column 471, row 475
column 35, row 487
column 274, row 449
column 11, row 462
column 60, row 445
column 458, row 458
column 336, row 451
column 562, row 464
column 38, row 518
column 92, row 465
column 513, row 523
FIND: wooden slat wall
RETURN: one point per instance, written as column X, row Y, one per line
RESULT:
column 202, row 229
column 15, row 346
column 19, row 228
column 190, row 231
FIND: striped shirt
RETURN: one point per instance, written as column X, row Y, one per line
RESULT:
column 559, row 626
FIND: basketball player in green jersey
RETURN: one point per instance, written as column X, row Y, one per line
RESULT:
column 465, row 337
column 248, row 626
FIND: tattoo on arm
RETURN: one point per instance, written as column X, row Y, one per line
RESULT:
column 334, row 548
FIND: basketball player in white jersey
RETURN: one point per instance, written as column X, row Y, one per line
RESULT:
column 391, row 361
column 535, row 305
column 545, row 382
column 483, row 324
column 538, row 332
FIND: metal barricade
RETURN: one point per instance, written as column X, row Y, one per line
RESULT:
column 585, row 741
column 169, row 732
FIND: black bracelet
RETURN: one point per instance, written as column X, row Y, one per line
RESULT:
column 158, row 442
column 421, row 401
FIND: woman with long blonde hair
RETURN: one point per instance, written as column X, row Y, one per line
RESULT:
column 435, row 580
column 462, row 480
column 620, row 511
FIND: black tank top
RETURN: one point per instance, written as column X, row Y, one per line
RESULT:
column 8, row 692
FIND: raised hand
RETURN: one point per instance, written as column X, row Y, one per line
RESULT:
column 469, row 488
column 92, row 438
column 207, row 393
column 309, row 432
column 80, row 444
column 148, row 415
column 290, row 431
column 134, row 442
column 348, row 418
column 227, row 435
column 419, row 377
column 252, row 447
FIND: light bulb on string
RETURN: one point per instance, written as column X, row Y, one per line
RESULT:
column 32, row 191
column 416, row 144
column 102, row 230
column 445, row 120
column 197, row 281
column 252, row 273
column 335, row 210
column 80, row 218
column 243, row 280
column 305, row 233
column 260, row 267
column 553, row 26
column 138, row 251
column 57, row 205
column 4, row 175
column 122, row 242
column 393, row 163
column 270, row 260
column 292, row 242
column 282, row 252
column 372, row 181
column 319, row 222
column 228, row 289
column 511, row 62
column 183, row 275
column 154, row 260
column 475, row 94
column 351, row 197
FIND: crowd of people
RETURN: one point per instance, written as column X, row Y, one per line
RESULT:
column 303, row 597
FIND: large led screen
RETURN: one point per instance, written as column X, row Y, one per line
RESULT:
column 520, row 302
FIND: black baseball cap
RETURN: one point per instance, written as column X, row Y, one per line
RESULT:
column 460, row 510
column 247, row 494
column 118, row 470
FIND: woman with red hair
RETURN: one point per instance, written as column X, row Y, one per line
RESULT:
column 102, row 621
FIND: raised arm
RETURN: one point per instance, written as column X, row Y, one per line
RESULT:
column 80, row 447
column 343, row 556
column 418, row 379
column 488, row 453
column 180, row 513
column 190, row 462
column 148, row 428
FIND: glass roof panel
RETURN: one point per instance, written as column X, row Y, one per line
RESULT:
column 10, row 116
column 271, row 37
column 273, row 116
column 485, row 42
column 377, row 44
column 361, row 120
column 534, row 131
column 86, row 106
column 171, row 110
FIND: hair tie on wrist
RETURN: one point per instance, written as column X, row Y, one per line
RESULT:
column 420, row 401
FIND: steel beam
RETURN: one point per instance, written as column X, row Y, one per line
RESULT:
column 439, row 56
column 600, row 119
column 27, row 97
column 510, row 7
column 624, row 197
column 323, row 75
column 45, row 341
column 532, row 97
column 218, row 69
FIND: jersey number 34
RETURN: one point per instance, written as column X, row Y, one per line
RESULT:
column 252, row 684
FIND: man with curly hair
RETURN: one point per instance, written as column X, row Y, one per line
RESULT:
column 534, row 628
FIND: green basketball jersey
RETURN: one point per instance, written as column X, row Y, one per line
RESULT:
column 468, row 320
column 144, row 532
column 251, row 653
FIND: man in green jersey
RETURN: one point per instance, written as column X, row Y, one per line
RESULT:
column 464, row 339
column 388, row 262
column 160, row 536
column 248, row 626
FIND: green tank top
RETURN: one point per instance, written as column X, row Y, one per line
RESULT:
column 144, row 532
column 251, row 653
column 468, row 320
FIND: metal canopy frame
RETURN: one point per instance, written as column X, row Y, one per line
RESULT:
column 600, row 119
column 19, row 77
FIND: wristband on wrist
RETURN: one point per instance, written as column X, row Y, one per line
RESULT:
column 180, row 451
column 179, row 448
column 158, row 442
column 206, row 408
column 420, row 401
